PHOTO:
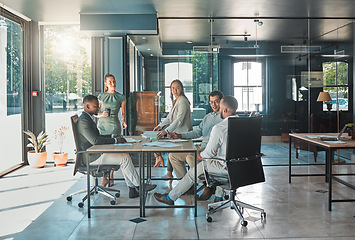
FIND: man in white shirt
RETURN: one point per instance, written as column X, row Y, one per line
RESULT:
column 204, row 129
column 215, row 148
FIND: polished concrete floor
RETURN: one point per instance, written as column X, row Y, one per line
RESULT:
column 33, row 206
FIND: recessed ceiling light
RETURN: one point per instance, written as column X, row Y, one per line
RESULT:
column 151, row 54
column 188, row 42
column 148, row 49
column 143, row 38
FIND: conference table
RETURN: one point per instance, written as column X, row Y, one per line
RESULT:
column 144, row 165
column 330, row 147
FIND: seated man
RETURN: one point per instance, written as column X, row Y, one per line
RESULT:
column 214, row 148
column 204, row 129
column 89, row 135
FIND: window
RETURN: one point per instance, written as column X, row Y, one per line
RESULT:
column 181, row 71
column 198, row 72
column 248, row 89
column 11, row 81
column 67, row 73
column 335, row 81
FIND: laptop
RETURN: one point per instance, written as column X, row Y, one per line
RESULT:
column 337, row 138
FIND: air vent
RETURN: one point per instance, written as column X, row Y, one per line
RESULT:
column 201, row 48
column 210, row 48
column 300, row 49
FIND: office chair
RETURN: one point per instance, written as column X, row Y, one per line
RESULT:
column 244, row 167
column 95, row 171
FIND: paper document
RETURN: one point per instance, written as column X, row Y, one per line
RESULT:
column 150, row 134
column 161, row 144
column 132, row 140
column 334, row 142
column 313, row 136
column 177, row 140
column 123, row 144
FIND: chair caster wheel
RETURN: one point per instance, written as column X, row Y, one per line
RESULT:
column 244, row 223
column 226, row 197
column 117, row 195
column 209, row 219
column 210, row 208
column 69, row 198
column 263, row 215
column 113, row 202
column 81, row 204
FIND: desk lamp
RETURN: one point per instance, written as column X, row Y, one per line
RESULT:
column 325, row 97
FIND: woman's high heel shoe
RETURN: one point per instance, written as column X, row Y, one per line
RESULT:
column 159, row 160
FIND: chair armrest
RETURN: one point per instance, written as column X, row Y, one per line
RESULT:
column 217, row 159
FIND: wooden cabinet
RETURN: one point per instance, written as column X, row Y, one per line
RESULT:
column 145, row 111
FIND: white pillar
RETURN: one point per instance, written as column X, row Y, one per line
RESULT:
column 3, row 70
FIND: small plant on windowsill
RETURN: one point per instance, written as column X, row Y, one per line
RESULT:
column 60, row 158
column 37, row 158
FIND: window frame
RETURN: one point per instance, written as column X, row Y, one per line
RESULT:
column 264, row 110
column 336, row 85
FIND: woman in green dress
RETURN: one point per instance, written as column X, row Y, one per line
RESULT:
column 111, row 102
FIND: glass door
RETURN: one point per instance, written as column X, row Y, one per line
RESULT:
column 11, row 75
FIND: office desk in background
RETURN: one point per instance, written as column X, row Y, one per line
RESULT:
column 144, row 166
column 329, row 148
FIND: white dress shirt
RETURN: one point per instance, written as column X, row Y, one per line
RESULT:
column 218, row 146
column 204, row 128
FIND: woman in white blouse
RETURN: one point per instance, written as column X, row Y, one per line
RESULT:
column 178, row 119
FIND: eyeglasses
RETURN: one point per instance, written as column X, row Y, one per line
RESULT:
column 215, row 101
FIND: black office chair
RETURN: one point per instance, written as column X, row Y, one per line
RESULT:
column 244, row 167
column 96, row 171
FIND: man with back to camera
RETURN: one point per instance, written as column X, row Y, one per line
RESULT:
column 215, row 148
column 88, row 135
column 204, row 129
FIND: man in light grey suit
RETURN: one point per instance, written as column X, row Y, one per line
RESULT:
column 88, row 135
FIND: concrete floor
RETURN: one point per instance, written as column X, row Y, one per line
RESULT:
column 34, row 206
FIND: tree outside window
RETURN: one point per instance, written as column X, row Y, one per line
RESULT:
column 335, row 81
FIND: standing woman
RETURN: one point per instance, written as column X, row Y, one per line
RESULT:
column 111, row 102
column 178, row 119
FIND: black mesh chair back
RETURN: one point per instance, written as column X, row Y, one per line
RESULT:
column 243, row 151
column 79, row 164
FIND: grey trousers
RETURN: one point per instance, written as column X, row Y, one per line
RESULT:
column 126, row 165
column 212, row 166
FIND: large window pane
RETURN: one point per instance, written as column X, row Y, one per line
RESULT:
column 335, row 80
column 11, row 75
column 67, row 80
column 248, row 85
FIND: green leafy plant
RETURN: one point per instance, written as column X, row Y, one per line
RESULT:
column 59, row 135
column 38, row 142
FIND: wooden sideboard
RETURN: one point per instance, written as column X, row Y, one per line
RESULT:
column 145, row 111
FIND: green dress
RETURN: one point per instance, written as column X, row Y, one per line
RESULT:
column 111, row 124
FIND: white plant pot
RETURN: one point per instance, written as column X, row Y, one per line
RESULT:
column 37, row 160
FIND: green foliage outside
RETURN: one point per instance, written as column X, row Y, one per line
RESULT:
column 205, row 70
column 335, row 78
column 67, row 62
column 14, row 56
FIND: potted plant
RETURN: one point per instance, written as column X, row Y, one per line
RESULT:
column 37, row 158
column 60, row 158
